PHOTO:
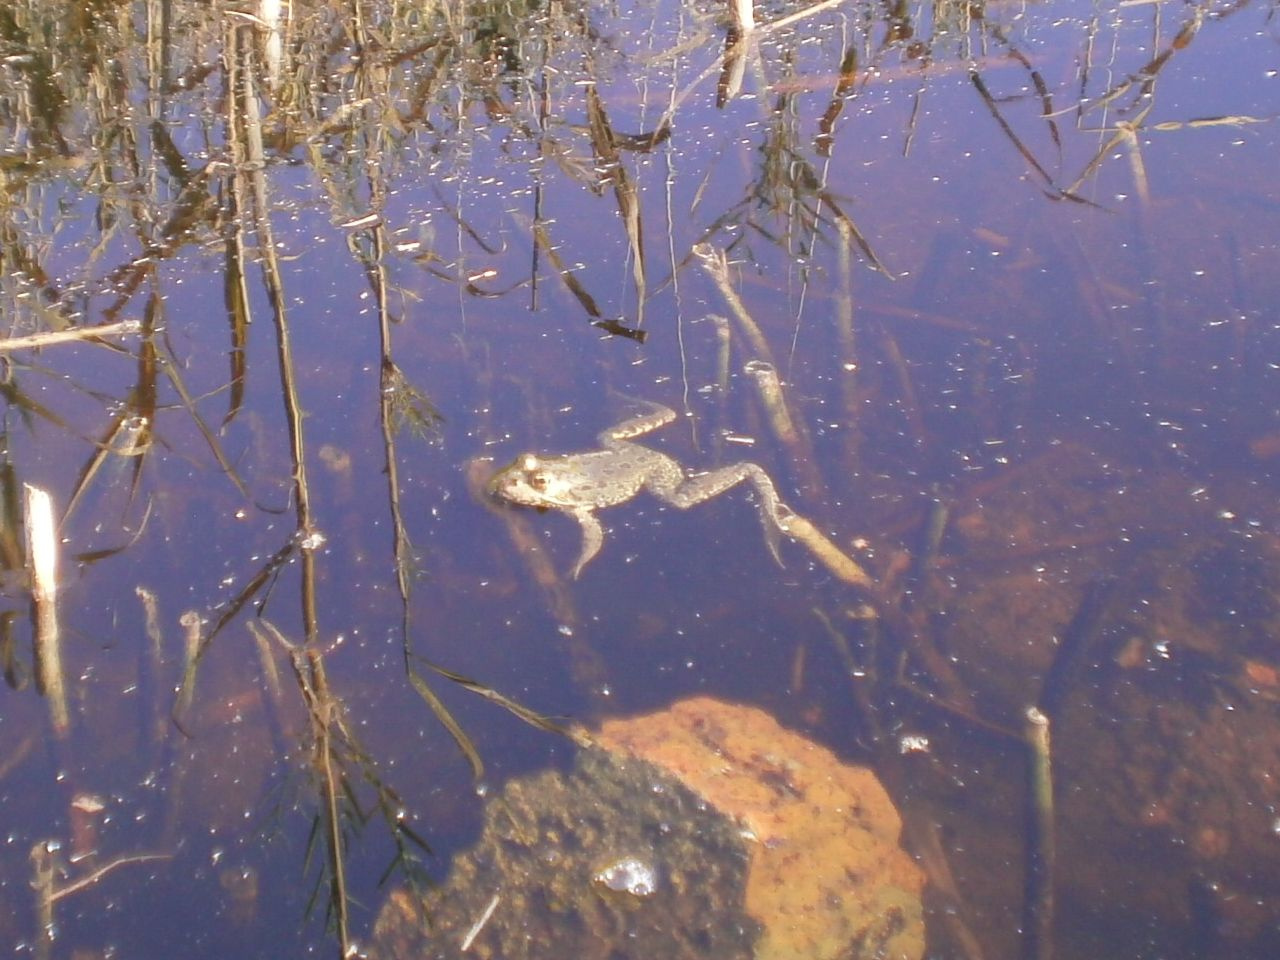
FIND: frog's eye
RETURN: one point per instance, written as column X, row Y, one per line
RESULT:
column 538, row 481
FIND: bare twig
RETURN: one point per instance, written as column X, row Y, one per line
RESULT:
column 87, row 881
column 42, row 565
column 73, row 335
column 1039, row 925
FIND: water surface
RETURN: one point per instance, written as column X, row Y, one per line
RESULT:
column 1014, row 266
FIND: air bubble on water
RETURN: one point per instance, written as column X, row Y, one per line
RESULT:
column 629, row 875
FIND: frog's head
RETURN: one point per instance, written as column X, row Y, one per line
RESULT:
column 529, row 481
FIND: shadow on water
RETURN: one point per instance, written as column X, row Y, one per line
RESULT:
column 977, row 302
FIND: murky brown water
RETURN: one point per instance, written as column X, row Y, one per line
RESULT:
column 1013, row 265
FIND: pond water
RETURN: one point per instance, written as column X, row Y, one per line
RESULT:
column 989, row 290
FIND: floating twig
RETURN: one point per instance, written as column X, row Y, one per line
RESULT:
column 479, row 924
column 154, row 661
column 48, row 893
column 87, row 881
column 42, row 565
column 72, row 335
column 192, row 646
column 846, row 338
column 723, row 351
column 1039, row 912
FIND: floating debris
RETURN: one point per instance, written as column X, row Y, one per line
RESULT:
column 42, row 566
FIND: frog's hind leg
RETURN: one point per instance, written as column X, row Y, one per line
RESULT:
column 775, row 516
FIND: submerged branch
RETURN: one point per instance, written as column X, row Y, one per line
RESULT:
column 716, row 264
column 77, row 885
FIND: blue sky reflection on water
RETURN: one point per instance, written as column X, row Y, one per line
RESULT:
column 1075, row 356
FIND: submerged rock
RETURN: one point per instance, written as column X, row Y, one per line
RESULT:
column 613, row 860
column 705, row 830
column 827, row 877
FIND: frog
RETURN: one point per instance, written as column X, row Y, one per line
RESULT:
column 579, row 484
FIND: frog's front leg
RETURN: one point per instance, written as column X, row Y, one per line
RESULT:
column 774, row 514
column 592, row 538
column 637, row 426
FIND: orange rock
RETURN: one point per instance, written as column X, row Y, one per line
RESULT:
column 827, row 877
column 1266, row 446
column 1263, row 674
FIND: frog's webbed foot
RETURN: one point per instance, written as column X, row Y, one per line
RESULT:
column 775, row 518
column 782, row 517
column 592, row 539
